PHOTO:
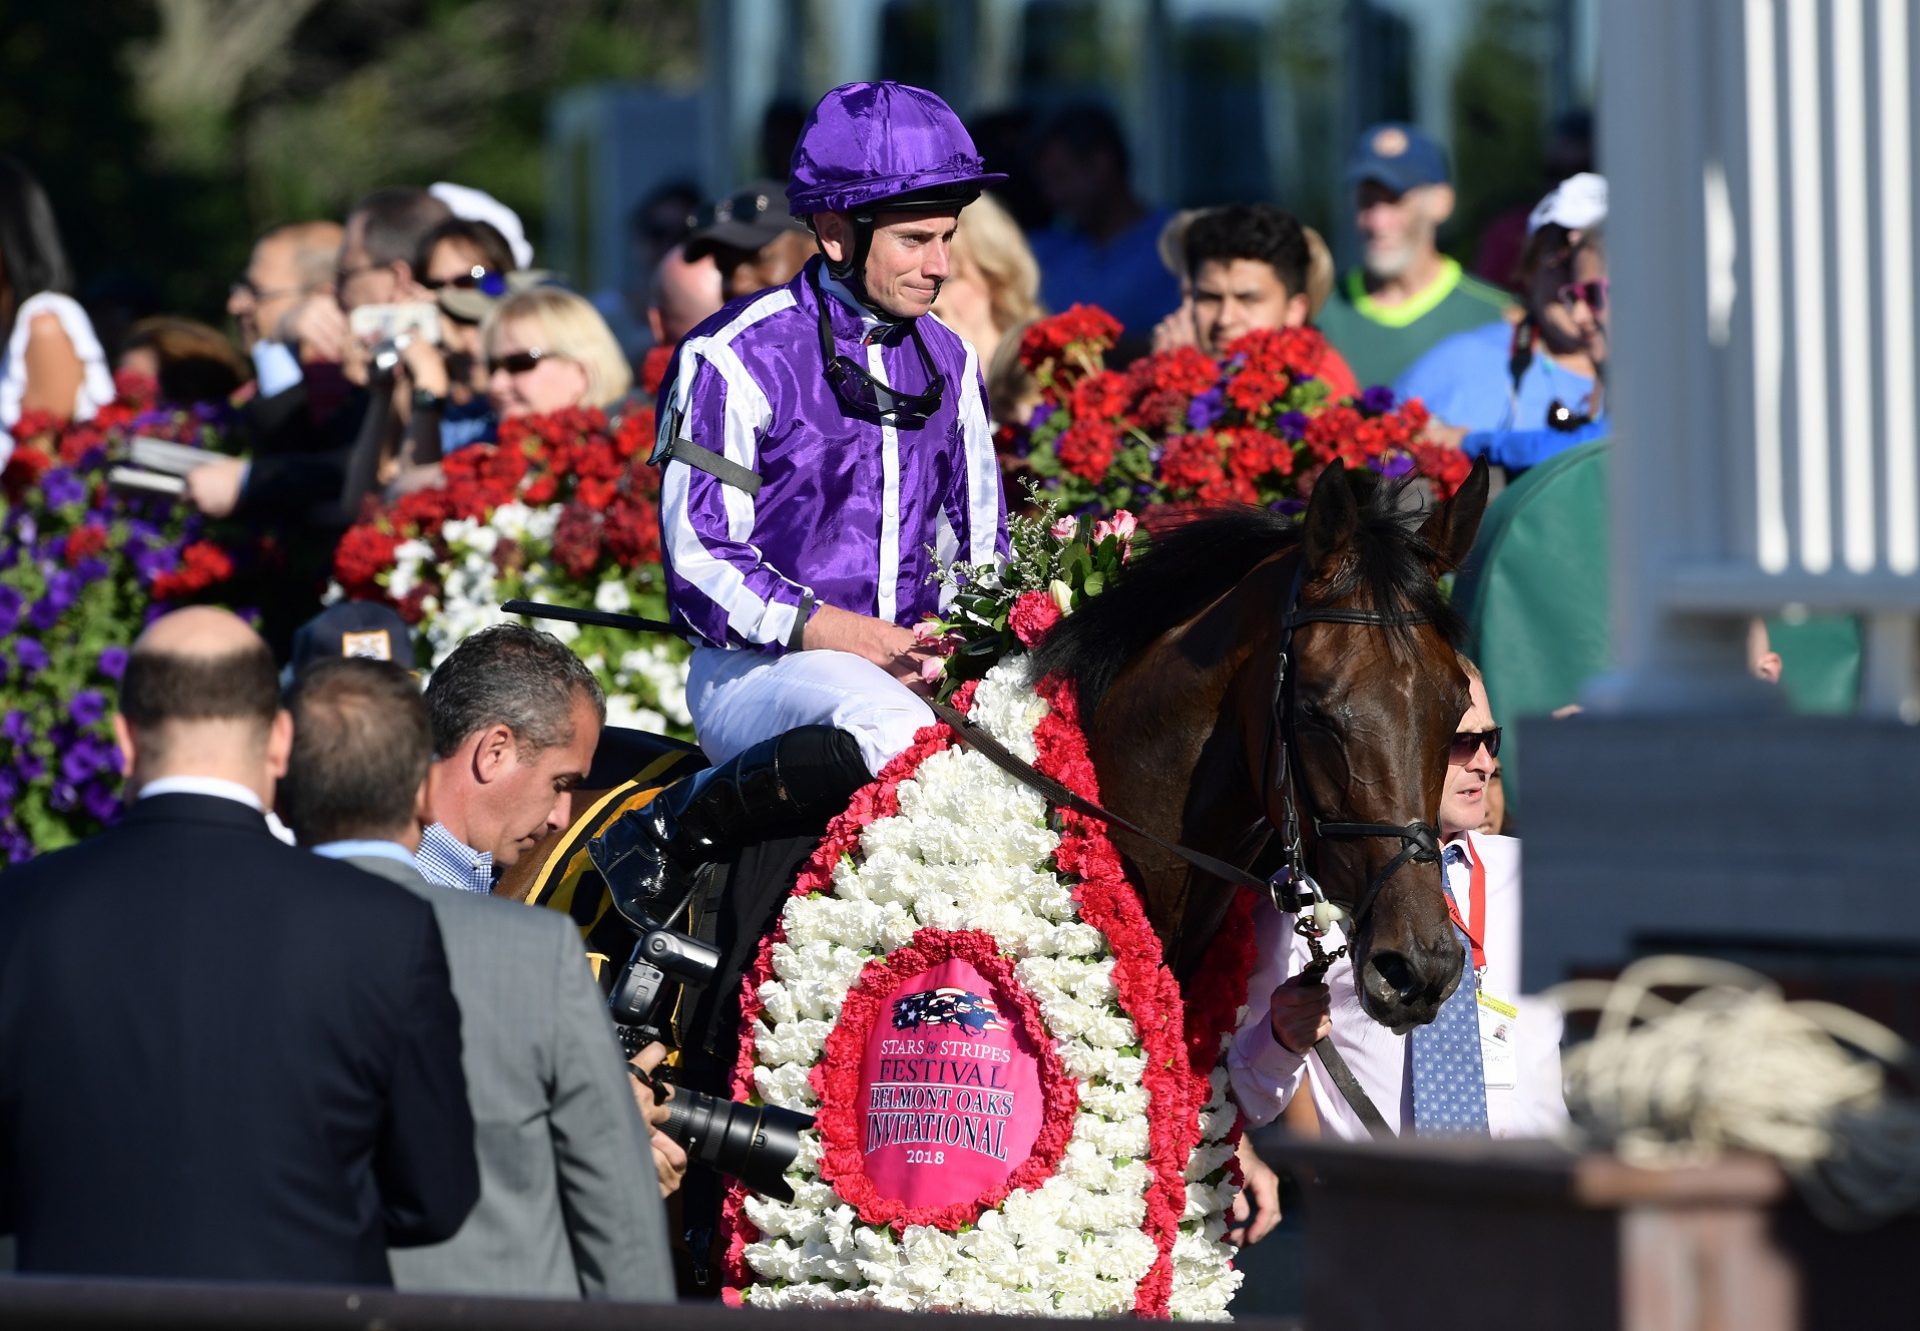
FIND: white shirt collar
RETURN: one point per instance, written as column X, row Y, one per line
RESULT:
column 202, row 785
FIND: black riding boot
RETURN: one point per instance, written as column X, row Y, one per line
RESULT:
column 785, row 786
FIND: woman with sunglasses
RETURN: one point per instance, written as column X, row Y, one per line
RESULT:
column 548, row 349
column 1520, row 393
column 443, row 398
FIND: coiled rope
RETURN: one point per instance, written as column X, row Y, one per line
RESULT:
column 1735, row 1067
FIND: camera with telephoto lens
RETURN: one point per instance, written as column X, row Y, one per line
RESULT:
column 753, row 1143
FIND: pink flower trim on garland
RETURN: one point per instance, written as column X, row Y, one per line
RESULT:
column 836, row 1080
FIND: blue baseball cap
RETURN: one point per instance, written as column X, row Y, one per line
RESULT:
column 1399, row 156
column 352, row 628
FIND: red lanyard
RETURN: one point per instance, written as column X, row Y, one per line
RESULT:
column 1476, row 931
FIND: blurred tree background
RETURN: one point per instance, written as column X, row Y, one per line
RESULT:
column 171, row 132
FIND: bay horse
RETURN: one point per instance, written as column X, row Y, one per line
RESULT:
column 1175, row 668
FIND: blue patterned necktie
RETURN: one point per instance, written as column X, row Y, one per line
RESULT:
column 1449, row 1084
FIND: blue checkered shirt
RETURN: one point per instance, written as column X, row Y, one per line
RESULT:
column 444, row 859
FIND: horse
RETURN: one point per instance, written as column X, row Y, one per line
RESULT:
column 1176, row 666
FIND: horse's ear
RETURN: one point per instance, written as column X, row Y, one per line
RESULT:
column 1452, row 525
column 1332, row 516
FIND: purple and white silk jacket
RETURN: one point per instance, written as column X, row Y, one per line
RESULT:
column 847, row 512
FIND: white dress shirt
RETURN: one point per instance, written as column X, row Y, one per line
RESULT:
column 1266, row 1075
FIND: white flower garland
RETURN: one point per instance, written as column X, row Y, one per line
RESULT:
column 970, row 849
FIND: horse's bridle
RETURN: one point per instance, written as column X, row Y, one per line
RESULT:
column 1293, row 888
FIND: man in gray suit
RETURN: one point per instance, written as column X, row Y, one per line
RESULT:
column 569, row 1202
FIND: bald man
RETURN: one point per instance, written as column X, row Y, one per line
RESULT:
column 221, row 1058
column 685, row 292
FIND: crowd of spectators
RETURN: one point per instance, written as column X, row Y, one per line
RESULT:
column 341, row 402
column 495, row 1146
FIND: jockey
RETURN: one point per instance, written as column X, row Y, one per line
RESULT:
column 822, row 444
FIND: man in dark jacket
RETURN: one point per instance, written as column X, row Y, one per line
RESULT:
column 569, row 1200
column 221, row 1058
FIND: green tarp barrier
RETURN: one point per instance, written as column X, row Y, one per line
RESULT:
column 1535, row 593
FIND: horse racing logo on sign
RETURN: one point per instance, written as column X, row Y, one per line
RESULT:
column 951, row 1097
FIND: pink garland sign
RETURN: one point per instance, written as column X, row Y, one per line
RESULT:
column 1016, row 1109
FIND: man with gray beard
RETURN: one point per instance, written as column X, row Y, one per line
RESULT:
column 1405, row 295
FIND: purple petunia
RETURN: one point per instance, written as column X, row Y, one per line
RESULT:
column 87, row 707
column 29, row 654
column 1291, row 425
column 92, row 569
column 101, row 801
column 80, row 762
column 1206, row 409
column 152, row 561
column 1393, row 462
column 15, row 729
column 61, row 487
column 1377, row 401
column 10, row 604
column 63, row 587
column 44, row 614
column 113, row 662
column 1041, row 415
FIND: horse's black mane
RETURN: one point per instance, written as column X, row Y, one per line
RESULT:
column 1189, row 565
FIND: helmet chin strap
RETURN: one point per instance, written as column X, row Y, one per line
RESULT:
column 851, row 272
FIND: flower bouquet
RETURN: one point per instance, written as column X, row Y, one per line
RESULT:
column 1254, row 426
column 83, row 566
column 1055, row 563
column 564, row 509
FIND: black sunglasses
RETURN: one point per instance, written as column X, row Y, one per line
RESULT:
column 739, row 208
column 520, row 362
column 862, row 394
column 484, row 280
column 1461, row 749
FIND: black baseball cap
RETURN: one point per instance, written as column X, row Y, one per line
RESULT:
column 750, row 219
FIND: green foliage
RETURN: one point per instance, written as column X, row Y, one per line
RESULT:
column 163, row 170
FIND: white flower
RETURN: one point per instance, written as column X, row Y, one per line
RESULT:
column 612, row 597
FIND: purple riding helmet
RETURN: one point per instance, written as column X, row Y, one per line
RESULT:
column 881, row 147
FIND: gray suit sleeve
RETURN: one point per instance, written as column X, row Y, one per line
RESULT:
column 609, row 1191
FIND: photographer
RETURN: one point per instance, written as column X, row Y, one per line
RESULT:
column 566, row 1206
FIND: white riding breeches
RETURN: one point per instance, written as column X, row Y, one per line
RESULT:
column 739, row 698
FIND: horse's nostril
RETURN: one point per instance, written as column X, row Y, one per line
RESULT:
column 1399, row 975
